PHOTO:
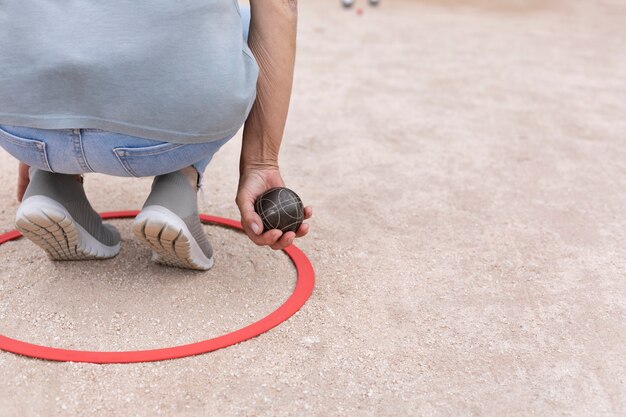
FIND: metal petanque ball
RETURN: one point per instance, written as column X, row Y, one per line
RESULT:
column 347, row 3
column 280, row 208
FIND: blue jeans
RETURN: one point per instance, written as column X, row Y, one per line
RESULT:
column 80, row 151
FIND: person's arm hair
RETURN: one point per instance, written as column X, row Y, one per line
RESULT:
column 272, row 39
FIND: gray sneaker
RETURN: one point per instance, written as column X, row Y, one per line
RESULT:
column 170, row 225
column 56, row 215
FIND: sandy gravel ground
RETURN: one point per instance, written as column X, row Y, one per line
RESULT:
column 467, row 165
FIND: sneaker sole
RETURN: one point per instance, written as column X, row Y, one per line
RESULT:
column 50, row 226
column 170, row 240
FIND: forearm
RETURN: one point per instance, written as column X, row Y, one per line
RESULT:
column 272, row 40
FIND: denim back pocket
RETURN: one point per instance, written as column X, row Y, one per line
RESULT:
column 28, row 150
column 148, row 161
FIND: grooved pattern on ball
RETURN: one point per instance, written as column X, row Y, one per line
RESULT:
column 280, row 208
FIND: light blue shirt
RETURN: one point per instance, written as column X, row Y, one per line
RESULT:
column 171, row 70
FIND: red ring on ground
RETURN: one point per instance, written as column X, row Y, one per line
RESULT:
column 302, row 292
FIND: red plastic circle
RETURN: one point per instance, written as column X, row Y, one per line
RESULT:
column 302, row 292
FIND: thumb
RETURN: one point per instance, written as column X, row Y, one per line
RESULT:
column 256, row 225
column 250, row 219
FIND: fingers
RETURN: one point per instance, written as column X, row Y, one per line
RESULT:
column 304, row 227
column 302, row 230
column 274, row 238
column 285, row 240
column 253, row 227
column 250, row 187
column 252, row 224
column 21, row 189
column 268, row 238
column 22, row 181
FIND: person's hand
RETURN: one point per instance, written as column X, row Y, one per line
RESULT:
column 23, row 180
column 253, row 183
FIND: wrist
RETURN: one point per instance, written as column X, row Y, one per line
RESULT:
column 258, row 164
column 258, row 153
